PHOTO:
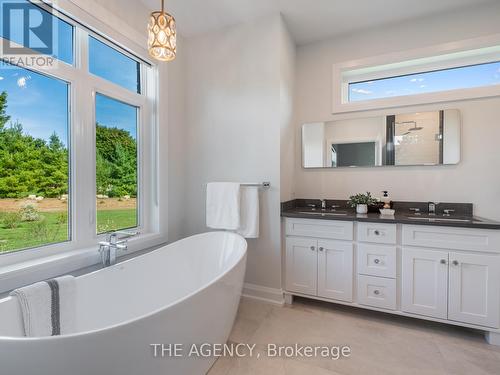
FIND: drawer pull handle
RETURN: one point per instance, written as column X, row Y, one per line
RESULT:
column 321, row 249
column 377, row 233
column 443, row 261
column 376, row 292
column 376, row 261
column 312, row 248
column 455, row 263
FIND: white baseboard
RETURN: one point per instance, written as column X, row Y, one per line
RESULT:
column 263, row 293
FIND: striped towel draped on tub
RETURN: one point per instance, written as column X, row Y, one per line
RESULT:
column 48, row 307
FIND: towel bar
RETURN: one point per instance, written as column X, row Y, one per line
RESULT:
column 265, row 184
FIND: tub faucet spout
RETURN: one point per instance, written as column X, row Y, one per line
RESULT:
column 114, row 241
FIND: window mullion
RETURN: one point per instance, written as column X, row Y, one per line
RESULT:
column 83, row 164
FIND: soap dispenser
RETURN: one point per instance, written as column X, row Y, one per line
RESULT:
column 386, row 199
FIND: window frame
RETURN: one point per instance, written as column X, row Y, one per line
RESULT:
column 437, row 57
column 83, row 87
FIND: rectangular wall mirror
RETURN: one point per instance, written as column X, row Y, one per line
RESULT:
column 424, row 138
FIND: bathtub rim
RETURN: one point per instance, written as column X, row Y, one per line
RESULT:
column 153, row 312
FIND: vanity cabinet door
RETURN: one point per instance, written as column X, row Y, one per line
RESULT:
column 425, row 282
column 301, row 265
column 335, row 270
column 474, row 295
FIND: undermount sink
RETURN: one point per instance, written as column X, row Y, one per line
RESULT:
column 322, row 213
column 438, row 219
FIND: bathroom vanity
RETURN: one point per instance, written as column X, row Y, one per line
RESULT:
column 440, row 268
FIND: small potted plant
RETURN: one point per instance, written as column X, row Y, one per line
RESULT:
column 361, row 202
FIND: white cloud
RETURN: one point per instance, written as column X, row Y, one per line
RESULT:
column 22, row 82
column 417, row 80
column 422, row 86
column 362, row 91
column 413, row 80
column 1, row 78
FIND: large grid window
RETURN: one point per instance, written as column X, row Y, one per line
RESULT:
column 71, row 137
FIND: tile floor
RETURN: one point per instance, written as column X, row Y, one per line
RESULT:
column 380, row 343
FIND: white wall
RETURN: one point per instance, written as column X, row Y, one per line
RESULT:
column 233, row 129
column 176, row 157
column 474, row 180
column 287, row 101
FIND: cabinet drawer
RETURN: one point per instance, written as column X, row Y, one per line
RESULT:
column 377, row 260
column 333, row 229
column 377, row 233
column 452, row 238
column 377, row 292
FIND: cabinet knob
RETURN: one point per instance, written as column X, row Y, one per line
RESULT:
column 321, row 249
column 376, row 292
column 376, row 261
column 455, row 263
column 312, row 248
column 377, row 233
column 443, row 261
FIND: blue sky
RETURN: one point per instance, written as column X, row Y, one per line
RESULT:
column 464, row 77
column 39, row 103
column 112, row 65
column 112, row 113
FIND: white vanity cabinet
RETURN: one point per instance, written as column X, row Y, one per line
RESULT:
column 458, row 279
column 425, row 282
column 474, row 289
column 320, row 267
column 376, row 265
column 335, row 269
column 448, row 274
column 302, row 265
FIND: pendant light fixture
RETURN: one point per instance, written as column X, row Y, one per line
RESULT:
column 162, row 35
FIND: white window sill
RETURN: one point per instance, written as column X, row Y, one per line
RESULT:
column 24, row 273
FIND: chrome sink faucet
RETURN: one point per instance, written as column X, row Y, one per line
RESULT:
column 114, row 241
column 416, row 211
column 431, row 208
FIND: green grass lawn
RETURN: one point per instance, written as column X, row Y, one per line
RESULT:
column 108, row 220
column 54, row 228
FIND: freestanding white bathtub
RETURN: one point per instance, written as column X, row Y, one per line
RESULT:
column 184, row 293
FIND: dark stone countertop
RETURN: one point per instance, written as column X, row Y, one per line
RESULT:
column 401, row 217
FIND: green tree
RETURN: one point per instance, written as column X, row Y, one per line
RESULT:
column 116, row 162
column 30, row 165
column 3, row 107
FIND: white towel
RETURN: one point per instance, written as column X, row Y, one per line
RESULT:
column 48, row 307
column 249, row 212
column 223, row 205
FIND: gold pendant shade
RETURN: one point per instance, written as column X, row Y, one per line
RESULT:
column 162, row 36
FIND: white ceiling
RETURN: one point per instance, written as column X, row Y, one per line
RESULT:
column 307, row 20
